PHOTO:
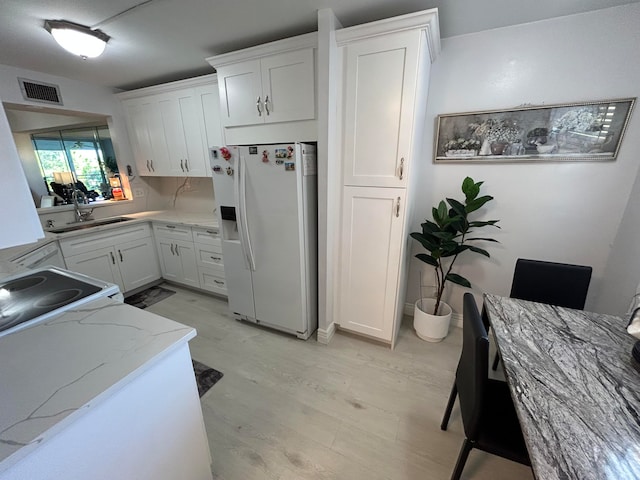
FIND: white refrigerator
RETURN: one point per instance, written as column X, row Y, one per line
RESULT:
column 267, row 209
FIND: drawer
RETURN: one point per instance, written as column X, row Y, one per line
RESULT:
column 172, row 231
column 210, row 281
column 105, row 238
column 208, row 236
column 209, row 256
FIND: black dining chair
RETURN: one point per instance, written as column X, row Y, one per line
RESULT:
column 488, row 415
column 559, row 284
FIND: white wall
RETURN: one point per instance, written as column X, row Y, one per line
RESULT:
column 83, row 98
column 18, row 214
column 622, row 273
column 566, row 212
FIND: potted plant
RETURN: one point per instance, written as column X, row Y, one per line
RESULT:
column 444, row 238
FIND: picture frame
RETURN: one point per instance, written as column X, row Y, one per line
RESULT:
column 574, row 132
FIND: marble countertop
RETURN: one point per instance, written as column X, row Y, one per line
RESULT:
column 575, row 387
column 54, row 371
column 206, row 220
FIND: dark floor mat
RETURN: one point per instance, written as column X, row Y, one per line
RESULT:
column 206, row 377
column 148, row 297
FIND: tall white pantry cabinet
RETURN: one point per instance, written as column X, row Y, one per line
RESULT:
column 382, row 105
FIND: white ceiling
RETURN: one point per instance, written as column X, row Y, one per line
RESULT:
column 169, row 39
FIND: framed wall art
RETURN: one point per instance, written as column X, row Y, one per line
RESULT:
column 567, row 132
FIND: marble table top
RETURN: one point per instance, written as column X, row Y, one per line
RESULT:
column 575, row 387
column 54, row 371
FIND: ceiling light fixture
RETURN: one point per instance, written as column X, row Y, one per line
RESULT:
column 77, row 39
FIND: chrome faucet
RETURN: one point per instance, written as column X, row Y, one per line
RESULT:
column 81, row 216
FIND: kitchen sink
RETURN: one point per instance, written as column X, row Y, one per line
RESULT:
column 86, row 225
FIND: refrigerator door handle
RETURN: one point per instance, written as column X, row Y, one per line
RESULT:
column 243, row 216
column 241, row 196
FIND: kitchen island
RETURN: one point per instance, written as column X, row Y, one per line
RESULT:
column 102, row 391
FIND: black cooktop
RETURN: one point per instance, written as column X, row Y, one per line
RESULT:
column 33, row 295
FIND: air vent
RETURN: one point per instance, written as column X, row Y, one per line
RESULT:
column 40, row 92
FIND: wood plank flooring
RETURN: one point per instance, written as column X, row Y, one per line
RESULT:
column 287, row 409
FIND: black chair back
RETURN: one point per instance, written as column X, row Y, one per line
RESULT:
column 558, row 284
column 472, row 373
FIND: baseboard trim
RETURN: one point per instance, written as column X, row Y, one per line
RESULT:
column 325, row 335
column 456, row 318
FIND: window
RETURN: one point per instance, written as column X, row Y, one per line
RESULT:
column 85, row 152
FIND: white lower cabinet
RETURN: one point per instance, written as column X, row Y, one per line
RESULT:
column 372, row 223
column 191, row 256
column 131, row 258
column 100, row 264
column 138, row 263
column 129, row 264
column 178, row 261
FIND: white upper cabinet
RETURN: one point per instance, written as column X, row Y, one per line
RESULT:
column 378, row 108
column 275, row 88
column 147, row 136
column 172, row 126
column 241, row 100
column 208, row 99
column 288, row 86
column 183, row 129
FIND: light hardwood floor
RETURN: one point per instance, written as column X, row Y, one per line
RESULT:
column 292, row 410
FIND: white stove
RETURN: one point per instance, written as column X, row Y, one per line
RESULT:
column 36, row 295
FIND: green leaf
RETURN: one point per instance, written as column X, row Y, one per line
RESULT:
column 477, row 224
column 434, row 214
column 429, row 227
column 484, row 239
column 455, row 278
column 425, row 242
column 477, row 203
column 442, row 210
column 457, row 207
column 470, row 189
column 480, row 251
column 459, row 224
column 427, row 259
column 457, row 249
column 444, row 235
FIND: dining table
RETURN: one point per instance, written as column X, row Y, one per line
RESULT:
column 575, row 386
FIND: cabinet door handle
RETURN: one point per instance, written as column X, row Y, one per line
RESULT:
column 152, row 169
column 171, row 226
column 172, row 252
column 113, row 259
column 148, row 167
column 121, row 258
column 401, row 174
column 181, row 165
column 177, row 250
column 212, row 232
column 219, row 282
column 266, row 104
column 259, row 107
column 398, row 207
column 216, row 258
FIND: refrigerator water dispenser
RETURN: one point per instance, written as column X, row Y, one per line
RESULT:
column 229, row 223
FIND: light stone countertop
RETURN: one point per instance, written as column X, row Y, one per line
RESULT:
column 575, row 386
column 55, row 371
column 205, row 220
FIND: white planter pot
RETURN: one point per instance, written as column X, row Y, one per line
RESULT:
column 429, row 327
